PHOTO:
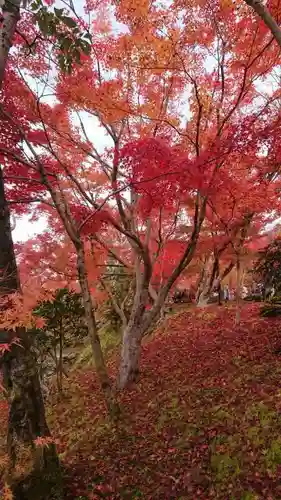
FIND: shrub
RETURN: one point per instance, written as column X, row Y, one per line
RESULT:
column 272, row 308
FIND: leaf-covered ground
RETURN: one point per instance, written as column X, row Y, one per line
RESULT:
column 204, row 421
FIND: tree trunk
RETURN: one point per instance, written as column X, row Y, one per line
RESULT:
column 238, row 291
column 56, row 367
column 60, row 358
column 132, row 335
column 227, row 271
column 102, row 373
column 140, row 319
column 26, row 423
column 214, row 274
column 9, row 279
column 200, row 281
column 138, row 325
column 130, row 356
column 26, row 420
column 26, row 407
column 11, row 16
column 204, row 293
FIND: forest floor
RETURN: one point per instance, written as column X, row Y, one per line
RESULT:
column 203, row 422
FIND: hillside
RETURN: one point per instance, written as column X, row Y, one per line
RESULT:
column 204, row 421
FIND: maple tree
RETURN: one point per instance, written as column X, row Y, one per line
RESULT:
column 160, row 179
column 146, row 153
column 234, row 226
column 188, row 175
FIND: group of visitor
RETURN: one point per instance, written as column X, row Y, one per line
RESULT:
column 264, row 292
column 226, row 293
column 221, row 293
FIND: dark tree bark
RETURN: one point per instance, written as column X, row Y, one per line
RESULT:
column 26, row 421
column 9, row 280
column 11, row 16
column 214, row 273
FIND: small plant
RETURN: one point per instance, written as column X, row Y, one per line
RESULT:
column 272, row 308
column 224, row 466
column 249, row 495
column 273, row 455
column 220, row 415
column 265, row 415
column 63, row 326
column 255, row 435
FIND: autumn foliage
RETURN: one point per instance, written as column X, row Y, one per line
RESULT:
column 190, row 155
column 204, row 420
column 146, row 138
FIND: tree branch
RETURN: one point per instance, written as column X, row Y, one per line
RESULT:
column 262, row 11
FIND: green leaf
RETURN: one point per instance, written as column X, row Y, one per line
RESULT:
column 68, row 21
column 58, row 12
column 85, row 46
column 61, row 61
column 51, row 28
column 36, row 5
column 43, row 25
column 66, row 44
column 88, row 36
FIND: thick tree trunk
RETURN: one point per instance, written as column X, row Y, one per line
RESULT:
column 204, row 293
column 26, row 423
column 9, row 280
column 140, row 322
column 26, row 420
column 98, row 356
column 200, row 281
column 130, row 356
column 214, row 274
column 11, row 16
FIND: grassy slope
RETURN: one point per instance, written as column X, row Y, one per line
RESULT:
column 204, row 421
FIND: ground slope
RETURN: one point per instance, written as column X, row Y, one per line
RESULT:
column 204, row 421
